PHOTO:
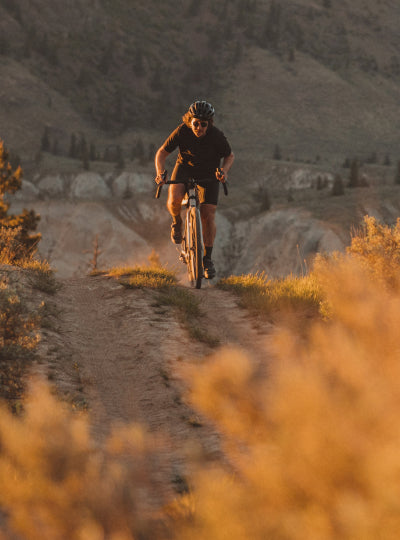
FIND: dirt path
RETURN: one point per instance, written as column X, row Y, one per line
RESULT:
column 119, row 351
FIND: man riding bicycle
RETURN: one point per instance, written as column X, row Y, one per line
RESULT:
column 201, row 148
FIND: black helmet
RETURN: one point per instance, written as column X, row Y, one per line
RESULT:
column 202, row 110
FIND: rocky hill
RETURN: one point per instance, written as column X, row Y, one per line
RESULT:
column 115, row 215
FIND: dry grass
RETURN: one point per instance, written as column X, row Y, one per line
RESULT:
column 311, row 448
column 272, row 298
column 153, row 277
column 377, row 247
column 55, row 483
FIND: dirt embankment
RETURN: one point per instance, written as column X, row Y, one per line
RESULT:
column 119, row 352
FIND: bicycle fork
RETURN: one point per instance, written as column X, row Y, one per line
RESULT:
column 188, row 202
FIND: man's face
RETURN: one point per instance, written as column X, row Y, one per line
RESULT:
column 199, row 127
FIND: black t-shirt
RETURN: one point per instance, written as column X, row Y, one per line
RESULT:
column 198, row 157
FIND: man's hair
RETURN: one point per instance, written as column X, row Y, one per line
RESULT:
column 187, row 119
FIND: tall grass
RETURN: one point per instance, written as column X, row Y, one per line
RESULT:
column 270, row 298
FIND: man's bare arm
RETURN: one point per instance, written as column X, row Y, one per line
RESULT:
column 160, row 159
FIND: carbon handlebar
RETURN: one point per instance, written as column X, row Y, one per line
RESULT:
column 169, row 182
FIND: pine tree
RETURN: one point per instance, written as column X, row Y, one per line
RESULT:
column 397, row 177
column 277, row 153
column 45, row 142
column 73, row 147
column 120, row 162
column 338, row 186
column 354, row 179
column 10, row 182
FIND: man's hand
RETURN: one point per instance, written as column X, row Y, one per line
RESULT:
column 221, row 175
column 161, row 178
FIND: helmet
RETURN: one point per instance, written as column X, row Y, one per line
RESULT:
column 202, row 110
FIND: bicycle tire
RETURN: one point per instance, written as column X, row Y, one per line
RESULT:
column 194, row 240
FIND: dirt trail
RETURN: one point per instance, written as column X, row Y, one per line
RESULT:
column 121, row 351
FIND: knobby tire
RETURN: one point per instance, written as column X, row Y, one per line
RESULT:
column 195, row 248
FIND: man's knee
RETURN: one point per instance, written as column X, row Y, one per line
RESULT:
column 174, row 201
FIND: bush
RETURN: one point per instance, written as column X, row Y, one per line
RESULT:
column 18, row 341
column 313, row 445
column 24, row 223
column 377, row 248
column 56, row 483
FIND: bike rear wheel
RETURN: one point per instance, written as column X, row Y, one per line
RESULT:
column 194, row 246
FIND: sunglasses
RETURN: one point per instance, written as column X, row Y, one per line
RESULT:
column 197, row 123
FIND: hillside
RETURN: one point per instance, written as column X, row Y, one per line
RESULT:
column 318, row 78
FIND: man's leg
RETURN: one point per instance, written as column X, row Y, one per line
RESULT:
column 176, row 193
column 207, row 212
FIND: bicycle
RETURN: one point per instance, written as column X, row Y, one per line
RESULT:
column 192, row 242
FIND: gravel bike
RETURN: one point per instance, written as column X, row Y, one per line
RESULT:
column 192, row 242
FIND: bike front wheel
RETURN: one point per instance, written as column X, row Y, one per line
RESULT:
column 194, row 240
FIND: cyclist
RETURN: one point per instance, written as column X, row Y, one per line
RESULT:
column 202, row 146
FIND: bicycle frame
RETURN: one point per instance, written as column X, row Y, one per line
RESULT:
column 192, row 244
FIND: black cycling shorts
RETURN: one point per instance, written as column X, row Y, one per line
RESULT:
column 208, row 193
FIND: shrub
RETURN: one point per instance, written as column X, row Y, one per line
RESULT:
column 18, row 341
column 313, row 445
column 56, row 483
column 24, row 223
column 377, row 247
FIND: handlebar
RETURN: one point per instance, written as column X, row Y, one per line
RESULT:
column 205, row 181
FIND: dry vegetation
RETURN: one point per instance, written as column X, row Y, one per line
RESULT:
column 311, row 446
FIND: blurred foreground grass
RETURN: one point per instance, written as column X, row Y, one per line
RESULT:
column 311, row 447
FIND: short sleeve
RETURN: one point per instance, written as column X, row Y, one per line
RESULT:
column 173, row 141
column 224, row 147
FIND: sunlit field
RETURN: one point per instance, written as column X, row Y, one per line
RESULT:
column 311, row 443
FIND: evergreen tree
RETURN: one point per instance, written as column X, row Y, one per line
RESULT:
column 152, row 151
column 120, row 162
column 338, row 186
column 397, row 177
column 10, row 182
column 387, row 161
column 82, row 149
column 139, row 150
column 272, row 28
column 354, row 178
column 45, row 142
column 92, row 152
column 73, row 152
column 277, row 153
column 4, row 46
column 54, row 148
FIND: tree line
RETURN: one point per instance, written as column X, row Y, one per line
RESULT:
column 79, row 148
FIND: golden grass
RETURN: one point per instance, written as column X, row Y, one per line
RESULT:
column 377, row 247
column 153, row 277
column 56, row 483
column 313, row 446
column 270, row 297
